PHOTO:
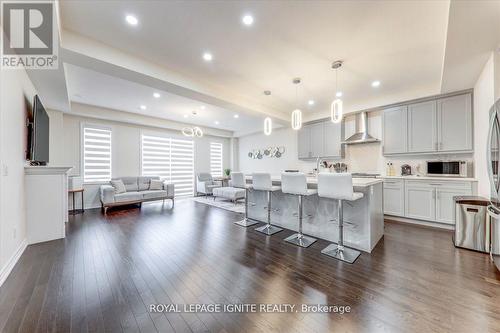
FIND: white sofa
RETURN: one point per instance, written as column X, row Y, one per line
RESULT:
column 137, row 191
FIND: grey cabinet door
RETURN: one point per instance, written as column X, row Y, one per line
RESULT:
column 317, row 140
column 455, row 123
column 394, row 200
column 420, row 201
column 445, row 206
column 422, row 127
column 304, row 142
column 395, row 130
column 333, row 139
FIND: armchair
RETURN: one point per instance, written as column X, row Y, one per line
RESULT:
column 205, row 183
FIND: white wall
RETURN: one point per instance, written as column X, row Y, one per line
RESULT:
column 484, row 97
column 497, row 73
column 56, row 145
column 16, row 98
column 126, row 160
column 359, row 158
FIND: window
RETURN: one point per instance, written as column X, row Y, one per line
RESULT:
column 171, row 159
column 96, row 154
column 216, row 159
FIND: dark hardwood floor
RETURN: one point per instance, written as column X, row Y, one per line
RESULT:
column 108, row 270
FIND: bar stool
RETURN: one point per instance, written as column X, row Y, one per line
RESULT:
column 238, row 181
column 295, row 183
column 338, row 186
column 262, row 182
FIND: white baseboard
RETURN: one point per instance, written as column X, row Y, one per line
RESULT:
column 421, row 222
column 7, row 268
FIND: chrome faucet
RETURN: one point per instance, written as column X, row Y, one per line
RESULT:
column 318, row 161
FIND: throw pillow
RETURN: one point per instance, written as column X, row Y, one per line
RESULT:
column 119, row 186
column 155, row 184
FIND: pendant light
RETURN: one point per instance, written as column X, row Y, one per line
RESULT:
column 268, row 126
column 336, row 108
column 296, row 114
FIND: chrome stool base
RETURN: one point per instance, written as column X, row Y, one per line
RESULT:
column 300, row 240
column 344, row 254
column 246, row 222
column 268, row 229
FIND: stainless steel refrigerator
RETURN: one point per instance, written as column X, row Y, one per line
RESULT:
column 493, row 156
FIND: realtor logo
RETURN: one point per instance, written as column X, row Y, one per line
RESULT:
column 29, row 39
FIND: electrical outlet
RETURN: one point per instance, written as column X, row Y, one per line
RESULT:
column 5, row 170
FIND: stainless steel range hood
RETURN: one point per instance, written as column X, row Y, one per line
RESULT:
column 361, row 135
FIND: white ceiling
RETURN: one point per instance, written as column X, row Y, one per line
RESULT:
column 90, row 87
column 414, row 48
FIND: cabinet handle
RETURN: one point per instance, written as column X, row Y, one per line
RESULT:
column 433, row 194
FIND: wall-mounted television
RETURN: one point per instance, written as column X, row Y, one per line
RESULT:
column 39, row 134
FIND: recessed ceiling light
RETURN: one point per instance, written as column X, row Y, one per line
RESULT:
column 216, row 122
column 131, row 19
column 143, row 107
column 247, row 20
column 156, row 95
column 207, row 56
column 375, row 83
column 236, row 116
column 339, row 94
column 202, row 107
column 310, row 102
column 185, row 116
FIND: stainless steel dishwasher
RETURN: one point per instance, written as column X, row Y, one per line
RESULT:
column 472, row 223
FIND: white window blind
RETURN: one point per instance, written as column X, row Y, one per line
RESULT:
column 96, row 154
column 171, row 159
column 216, row 159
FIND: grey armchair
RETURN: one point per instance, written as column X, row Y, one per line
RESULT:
column 205, row 183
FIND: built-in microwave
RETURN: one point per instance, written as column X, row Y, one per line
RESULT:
column 447, row 168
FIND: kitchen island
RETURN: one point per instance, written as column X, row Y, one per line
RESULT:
column 363, row 218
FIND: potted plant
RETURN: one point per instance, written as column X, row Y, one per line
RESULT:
column 227, row 172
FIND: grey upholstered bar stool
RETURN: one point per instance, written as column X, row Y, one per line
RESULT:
column 262, row 182
column 238, row 180
column 295, row 183
column 338, row 186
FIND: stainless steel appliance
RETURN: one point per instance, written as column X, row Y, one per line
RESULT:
column 361, row 135
column 492, row 155
column 472, row 224
column 405, row 170
column 447, row 168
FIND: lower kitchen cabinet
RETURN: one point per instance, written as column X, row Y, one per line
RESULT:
column 445, row 206
column 424, row 199
column 420, row 202
column 394, row 197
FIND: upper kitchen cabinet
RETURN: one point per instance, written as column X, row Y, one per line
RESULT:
column 322, row 139
column 454, row 122
column 440, row 125
column 334, row 133
column 317, row 139
column 422, row 129
column 304, row 142
column 395, row 130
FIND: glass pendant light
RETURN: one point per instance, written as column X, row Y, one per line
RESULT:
column 268, row 126
column 296, row 114
column 336, row 108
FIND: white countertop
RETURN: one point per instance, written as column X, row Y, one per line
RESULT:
column 415, row 177
column 356, row 182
